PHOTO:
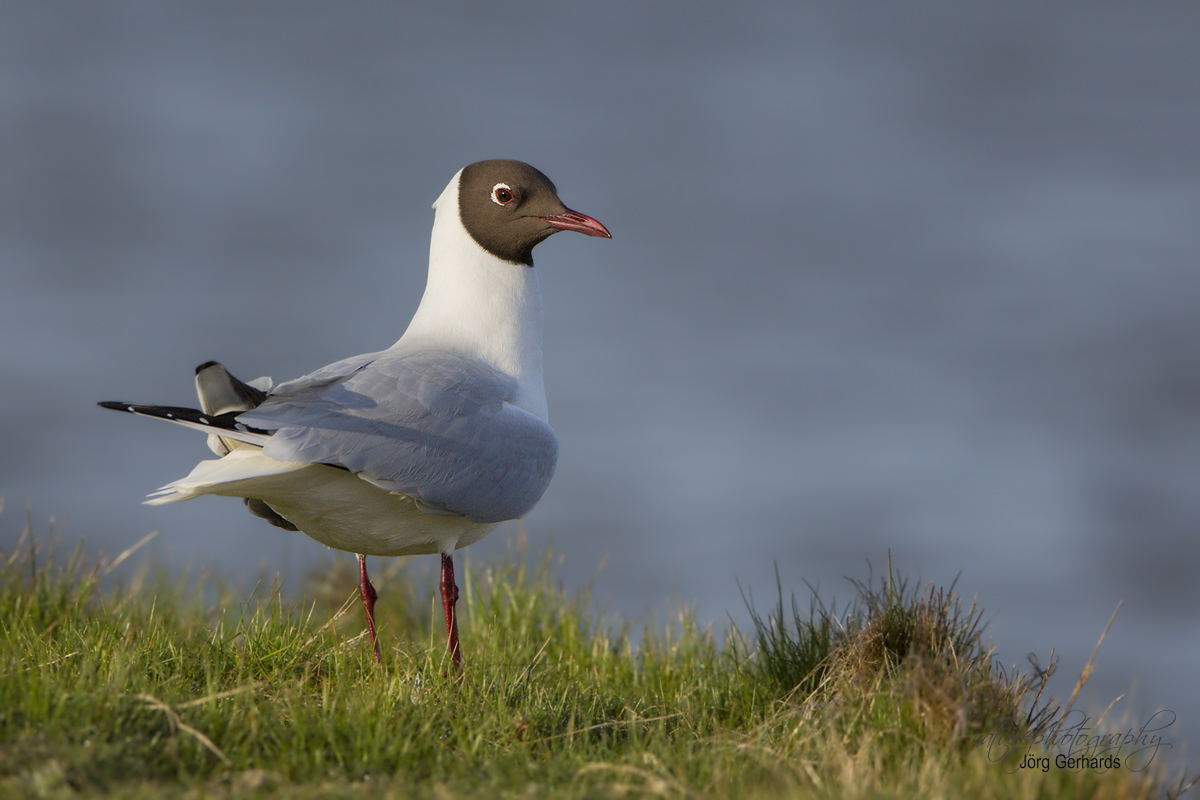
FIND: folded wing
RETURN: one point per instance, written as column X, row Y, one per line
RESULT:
column 439, row 428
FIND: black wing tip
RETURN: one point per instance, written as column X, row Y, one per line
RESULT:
column 162, row 412
column 166, row 412
column 206, row 365
column 227, row 421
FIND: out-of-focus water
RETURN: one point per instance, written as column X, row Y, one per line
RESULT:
column 892, row 280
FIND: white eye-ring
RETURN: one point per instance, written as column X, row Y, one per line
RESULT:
column 502, row 194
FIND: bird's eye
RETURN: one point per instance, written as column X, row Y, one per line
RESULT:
column 502, row 195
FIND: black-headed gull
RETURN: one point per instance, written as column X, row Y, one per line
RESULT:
column 424, row 447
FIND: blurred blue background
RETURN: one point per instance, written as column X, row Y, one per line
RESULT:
column 909, row 278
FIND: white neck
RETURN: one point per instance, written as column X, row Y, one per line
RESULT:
column 480, row 305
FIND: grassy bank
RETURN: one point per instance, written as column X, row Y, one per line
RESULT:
column 156, row 688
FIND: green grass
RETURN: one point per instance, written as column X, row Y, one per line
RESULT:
column 160, row 687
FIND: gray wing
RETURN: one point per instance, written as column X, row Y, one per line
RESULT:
column 435, row 426
column 326, row 375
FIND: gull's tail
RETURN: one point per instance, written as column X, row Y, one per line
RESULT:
column 244, row 471
column 222, row 398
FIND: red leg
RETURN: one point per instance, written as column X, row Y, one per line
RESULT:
column 368, row 597
column 449, row 598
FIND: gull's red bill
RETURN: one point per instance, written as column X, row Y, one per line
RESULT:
column 580, row 223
